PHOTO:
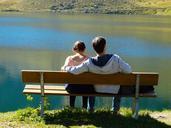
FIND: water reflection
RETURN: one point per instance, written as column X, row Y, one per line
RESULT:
column 43, row 38
column 43, row 42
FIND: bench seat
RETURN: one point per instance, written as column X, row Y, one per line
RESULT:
column 60, row 90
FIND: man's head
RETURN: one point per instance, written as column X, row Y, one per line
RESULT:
column 99, row 44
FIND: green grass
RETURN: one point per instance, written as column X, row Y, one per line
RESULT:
column 74, row 118
column 152, row 7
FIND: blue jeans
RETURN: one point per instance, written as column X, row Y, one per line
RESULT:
column 127, row 91
column 124, row 90
column 116, row 103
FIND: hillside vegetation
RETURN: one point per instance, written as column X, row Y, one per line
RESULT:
column 154, row 7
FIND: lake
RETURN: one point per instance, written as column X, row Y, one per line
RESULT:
column 43, row 41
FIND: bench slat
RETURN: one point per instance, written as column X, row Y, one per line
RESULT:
column 59, row 90
column 89, row 78
column 48, row 87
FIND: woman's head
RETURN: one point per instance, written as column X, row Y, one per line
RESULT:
column 79, row 46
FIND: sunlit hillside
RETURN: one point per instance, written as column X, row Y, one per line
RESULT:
column 161, row 7
column 10, row 5
column 154, row 3
column 157, row 7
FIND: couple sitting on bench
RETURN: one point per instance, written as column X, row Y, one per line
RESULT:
column 103, row 63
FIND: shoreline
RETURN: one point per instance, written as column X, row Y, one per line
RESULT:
column 118, row 12
column 43, row 13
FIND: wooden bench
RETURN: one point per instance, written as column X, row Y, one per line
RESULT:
column 38, row 82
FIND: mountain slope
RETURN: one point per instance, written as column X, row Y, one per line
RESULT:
column 162, row 7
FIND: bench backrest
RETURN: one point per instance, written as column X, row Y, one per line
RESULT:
column 58, row 77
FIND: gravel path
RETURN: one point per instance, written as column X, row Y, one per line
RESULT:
column 162, row 116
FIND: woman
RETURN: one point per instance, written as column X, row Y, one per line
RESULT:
column 73, row 60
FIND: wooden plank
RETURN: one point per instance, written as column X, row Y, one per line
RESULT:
column 89, row 78
column 63, row 92
column 30, row 77
column 47, row 87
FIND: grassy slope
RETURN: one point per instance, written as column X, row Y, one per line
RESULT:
column 10, row 4
column 75, row 118
column 161, row 7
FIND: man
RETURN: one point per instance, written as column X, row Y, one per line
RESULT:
column 103, row 63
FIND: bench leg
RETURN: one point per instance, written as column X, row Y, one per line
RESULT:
column 135, row 108
column 42, row 106
column 42, row 94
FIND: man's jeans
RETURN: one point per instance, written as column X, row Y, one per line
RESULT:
column 116, row 101
column 127, row 91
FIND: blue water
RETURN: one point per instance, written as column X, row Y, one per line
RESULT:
column 51, row 39
column 37, row 42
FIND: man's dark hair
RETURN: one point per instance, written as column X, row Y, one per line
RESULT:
column 99, row 44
